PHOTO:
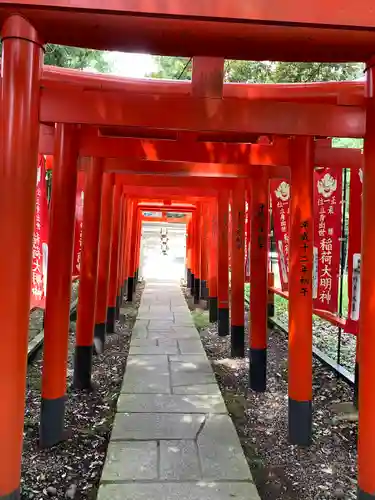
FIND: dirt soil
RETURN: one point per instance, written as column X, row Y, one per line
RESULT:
column 72, row 469
column 325, row 470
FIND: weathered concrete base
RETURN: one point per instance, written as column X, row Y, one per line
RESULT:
column 300, row 422
column 223, row 322
column 111, row 319
column 82, row 367
column 172, row 438
column 258, row 370
column 52, row 414
column 99, row 338
column 238, row 341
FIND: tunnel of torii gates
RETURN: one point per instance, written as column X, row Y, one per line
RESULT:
column 198, row 145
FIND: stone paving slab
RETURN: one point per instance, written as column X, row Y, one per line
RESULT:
column 179, row 460
column 172, row 437
column 179, row 491
column 131, row 460
column 162, row 403
column 150, row 426
column 161, row 349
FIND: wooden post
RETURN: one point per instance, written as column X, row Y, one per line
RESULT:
column 223, row 264
column 259, row 283
column 104, row 262
column 300, row 290
column 60, row 261
column 238, row 271
column 366, row 434
column 213, row 262
column 112, row 296
column 88, row 276
column 21, row 59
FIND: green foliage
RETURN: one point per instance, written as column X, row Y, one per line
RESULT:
column 174, row 68
column 77, row 58
column 263, row 71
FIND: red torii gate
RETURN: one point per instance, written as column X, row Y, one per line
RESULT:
column 273, row 35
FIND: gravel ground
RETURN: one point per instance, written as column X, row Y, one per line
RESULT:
column 72, row 469
column 37, row 315
column 325, row 470
column 325, row 336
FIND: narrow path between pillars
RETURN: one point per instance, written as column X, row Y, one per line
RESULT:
column 172, row 437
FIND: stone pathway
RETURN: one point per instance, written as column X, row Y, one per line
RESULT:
column 172, row 438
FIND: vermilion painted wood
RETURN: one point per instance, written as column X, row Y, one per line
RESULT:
column 230, row 156
column 21, row 57
column 366, row 338
column 278, row 31
column 194, row 114
column 346, row 92
column 331, row 318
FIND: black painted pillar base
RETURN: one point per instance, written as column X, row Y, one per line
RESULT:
column 197, row 290
column 356, row 385
column 204, row 290
column 52, row 414
column 270, row 309
column 118, row 305
column 15, row 495
column 130, row 288
column 135, row 282
column 99, row 338
column 82, row 367
column 258, row 370
column 111, row 317
column 192, row 284
column 300, row 422
column 237, row 341
column 213, row 309
column 188, row 278
column 223, row 321
column 362, row 495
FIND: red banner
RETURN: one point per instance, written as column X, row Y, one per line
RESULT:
column 247, row 243
column 280, row 199
column 354, row 250
column 78, row 224
column 327, row 234
column 40, row 241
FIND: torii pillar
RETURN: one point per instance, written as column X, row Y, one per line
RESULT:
column 60, row 260
column 223, row 264
column 366, row 428
column 88, row 277
column 259, row 215
column 300, row 290
column 20, row 95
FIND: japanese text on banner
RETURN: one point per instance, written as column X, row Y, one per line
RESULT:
column 327, row 233
column 40, row 241
column 280, row 199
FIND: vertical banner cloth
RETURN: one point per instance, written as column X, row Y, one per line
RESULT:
column 354, row 250
column 40, row 241
column 327, row 234
column 280, row 200
column 78, row 224
column 247, row 242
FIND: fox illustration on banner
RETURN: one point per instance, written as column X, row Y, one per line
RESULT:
column 40, row 241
